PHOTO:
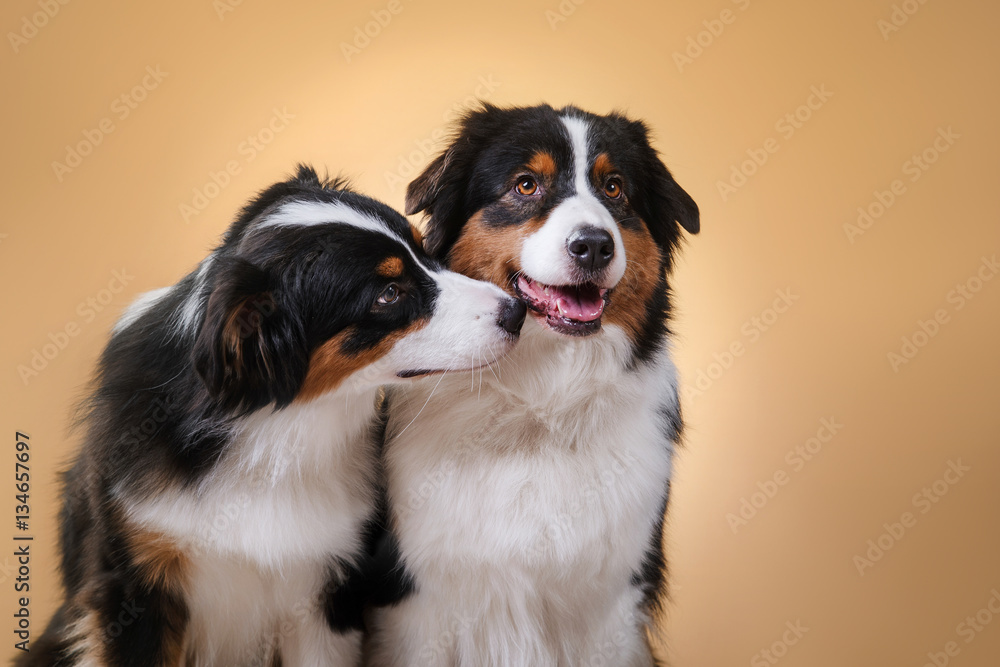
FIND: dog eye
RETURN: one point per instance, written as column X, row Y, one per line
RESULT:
column 613, row 188
column 389, row 295
column 526, row 186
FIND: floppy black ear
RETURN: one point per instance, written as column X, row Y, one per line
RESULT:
column 674, row 203
column 662, row 203
column 249, row 351
column 422, row 191
column 440, row 192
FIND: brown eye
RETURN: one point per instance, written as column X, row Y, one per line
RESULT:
column 389, row 295
column 613, row 188
column 526, row 186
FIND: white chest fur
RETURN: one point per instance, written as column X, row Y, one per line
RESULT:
column 525, row 501
column 262, row 528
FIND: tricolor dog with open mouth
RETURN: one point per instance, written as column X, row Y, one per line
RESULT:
column 223, row 509
column 529, row 509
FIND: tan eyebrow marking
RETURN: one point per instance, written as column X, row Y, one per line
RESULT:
column 543, row 163
column 602, row 167
column 390, row 267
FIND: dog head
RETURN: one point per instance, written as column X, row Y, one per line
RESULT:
column 316, row 286
column 571, row 211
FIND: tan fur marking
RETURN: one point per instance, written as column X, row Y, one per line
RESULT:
column 242, row 322
column 162, row 563
column 390, row 267
column 602, row 167
column 544, row 164
column 491, row 253
column 418, row 235
column 329, row 366
column 628, row 301
column 232, row 332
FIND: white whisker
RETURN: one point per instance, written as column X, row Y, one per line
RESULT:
column 429, row 397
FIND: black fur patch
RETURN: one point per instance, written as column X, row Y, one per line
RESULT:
column 656, row 324
column 379, row 578
column 652, row 575
column 137, row 625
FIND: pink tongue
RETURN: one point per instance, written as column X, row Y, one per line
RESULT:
column 582, row 305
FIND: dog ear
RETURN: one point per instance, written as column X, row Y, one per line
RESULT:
column 675, row 204
column 423, row 190
column 439, row 191
column 661, row 202
column 249, row 352
column 442, row 191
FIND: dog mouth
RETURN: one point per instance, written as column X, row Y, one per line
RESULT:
column 423, row 372
column 574, row 310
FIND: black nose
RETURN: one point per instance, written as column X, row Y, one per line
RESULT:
column 512, row 313
column 591, row 248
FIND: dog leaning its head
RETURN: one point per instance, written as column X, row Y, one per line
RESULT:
column 316, row 287
column 315, row 291
column 571, row 211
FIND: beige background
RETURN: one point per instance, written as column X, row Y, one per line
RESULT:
column 733, row 591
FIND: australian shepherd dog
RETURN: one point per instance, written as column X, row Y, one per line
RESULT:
column 528, row 508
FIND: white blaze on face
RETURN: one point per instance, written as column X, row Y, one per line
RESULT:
column 307, row 213
column 463, row 331
column 543, row 255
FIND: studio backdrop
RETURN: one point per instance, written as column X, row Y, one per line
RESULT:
column 837, row 319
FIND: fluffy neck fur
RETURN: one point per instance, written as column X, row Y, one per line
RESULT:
column 524, row 499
